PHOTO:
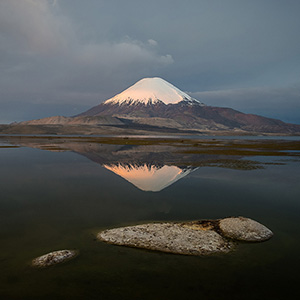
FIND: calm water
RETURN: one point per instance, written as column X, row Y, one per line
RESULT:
column 60, row 200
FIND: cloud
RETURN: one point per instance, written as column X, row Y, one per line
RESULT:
column 120, row 54
column 32, row 27
column 280, row 102
column 78, row 54
column 37, row 27
column 43, row 57
column 152, row 42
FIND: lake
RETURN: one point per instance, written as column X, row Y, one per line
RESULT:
column 59, row 192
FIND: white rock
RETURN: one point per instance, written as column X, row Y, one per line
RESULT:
column 244, row 229
column 53, row 258
column 178, row 238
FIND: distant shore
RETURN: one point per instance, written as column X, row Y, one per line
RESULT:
column 110, row 130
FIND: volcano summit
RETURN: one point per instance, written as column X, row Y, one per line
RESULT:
column 142, row 97
column 150, row 91
column 153, row 105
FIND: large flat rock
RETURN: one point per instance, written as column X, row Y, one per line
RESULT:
column 178, row 238
column 201, row 237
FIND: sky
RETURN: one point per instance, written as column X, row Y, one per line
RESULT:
column 61, row 57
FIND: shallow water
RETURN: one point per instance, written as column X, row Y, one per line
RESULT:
column 60, row 200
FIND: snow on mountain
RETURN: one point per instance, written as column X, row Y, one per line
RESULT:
column 151, row 91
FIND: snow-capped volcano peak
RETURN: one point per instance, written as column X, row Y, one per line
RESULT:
column 150, row 91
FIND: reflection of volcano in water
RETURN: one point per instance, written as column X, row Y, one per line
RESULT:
column 153, row 166
column 149, row 177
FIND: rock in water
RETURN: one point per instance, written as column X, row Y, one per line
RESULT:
column 54, row 258
column 178, row 238
column 244, row 229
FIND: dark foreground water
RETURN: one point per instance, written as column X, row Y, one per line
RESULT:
column 60, row 200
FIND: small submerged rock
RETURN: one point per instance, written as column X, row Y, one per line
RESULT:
column 54, row 258
column 190, row 238
column 244, row 229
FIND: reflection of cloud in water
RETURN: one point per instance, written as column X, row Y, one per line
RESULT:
column 148, row 177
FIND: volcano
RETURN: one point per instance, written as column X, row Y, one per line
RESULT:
column 156, row 102
column 155, row 105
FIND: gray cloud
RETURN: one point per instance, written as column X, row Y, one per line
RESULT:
column 68, row 55
column 31, row 27
column 44, row 60
column 280, row 102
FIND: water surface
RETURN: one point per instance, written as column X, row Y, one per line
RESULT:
column 57, row 194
